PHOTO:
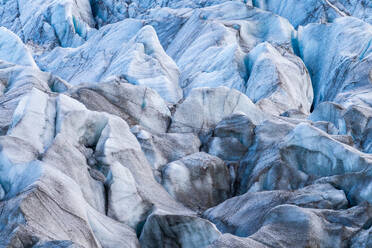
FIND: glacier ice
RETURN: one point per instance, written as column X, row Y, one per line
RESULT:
column 180, row 123
column 199, row 180
column 201, row 103
column 126, row 50
column 247, row 211
column 314, row 11
column 278, row 81
column 120, row 98
column 50, row 23
column 341, row 73
column 210, row 47
column 163, row 148
column 13, row 50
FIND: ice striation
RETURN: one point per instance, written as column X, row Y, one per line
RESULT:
column 179, row 123
column 278, row 81
column 211, row 47
column 314, row 11
column 47, row 24
column 343, row 73
column 127, row 50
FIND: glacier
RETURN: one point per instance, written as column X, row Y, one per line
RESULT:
column 185, row 124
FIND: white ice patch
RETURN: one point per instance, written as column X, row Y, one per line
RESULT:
column 13, row 50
